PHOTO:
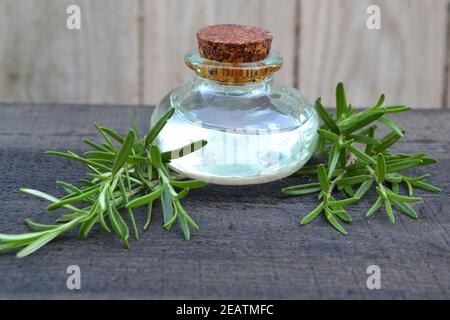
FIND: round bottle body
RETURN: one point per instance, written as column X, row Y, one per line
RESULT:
column 256, row 132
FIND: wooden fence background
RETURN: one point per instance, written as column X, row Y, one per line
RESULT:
column 131, row 51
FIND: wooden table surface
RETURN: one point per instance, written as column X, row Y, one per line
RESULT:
column 249, row 245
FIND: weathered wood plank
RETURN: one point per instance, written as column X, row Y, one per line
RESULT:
column 446, row 102
column 405, row 59
column 170, row 28
column 42, row 61
column 249, row 246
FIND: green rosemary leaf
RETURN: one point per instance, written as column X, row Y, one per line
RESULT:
column 425, row 186
column 148, row 215
column 344, row 216
column 389, row 212
column 113, row 134
column 374, row 208
column 362, row 155
column 156, row 157
column 124, row 196
column 146, row 199
column 73, row 156
column 393, row 177
column 395, row 188
column 184, row 227
column 134, row 125
column 137, row 160
column 405, row 209
column 102, row 198
column 123, row 226
column 303, row 189
column 381, row 191
column 325, row 116
column 328, row 135
column 191, row 184
column 13, row 245
column 380, row 168
column 183, row 151
column 21, row 237
column 73, row 199
column 391, row 124
column 333, row 158
column 95, row 145
column 395, row 109
column 308, row 170
column 398, row 197
column 167, row 207
column 341, row 101
column 429, row 161
column 39, row 226
column 117, row 223
column 99, row 155
column 410, row 188
column 125, row 150
column 364, row 139
column 313, row 214
column 370, row 135
column 185, row 214
column 149, row 165
column 69, row 217
column 349, row 191
column 67, row 187
column 386, row 142
column 86, row 227
column 403, row 165
column 46, row 196
column 332, row 220
column 183, row 193
column 363, row 188
column 168, row 225
column 349, row 181
column 108, row 143
column 37, row 244
column 158, row 127
column 343, row 202
column 379, row 102
column 360, row 120
column 322, row 175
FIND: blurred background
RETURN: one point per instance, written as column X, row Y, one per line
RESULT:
column 131, row 51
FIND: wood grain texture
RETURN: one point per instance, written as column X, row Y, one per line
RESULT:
column 446, row 96
column 170, row 28
column 405, row 59
column 42, row 61
column 249, row 246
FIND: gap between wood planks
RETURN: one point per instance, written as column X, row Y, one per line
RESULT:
column 141, row 51
column 446, row 93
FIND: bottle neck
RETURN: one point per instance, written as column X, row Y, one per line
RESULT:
column 225, row 88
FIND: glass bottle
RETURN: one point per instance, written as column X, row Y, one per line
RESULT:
column 256, row 130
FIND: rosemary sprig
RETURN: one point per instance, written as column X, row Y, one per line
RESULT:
column 353, row 170
column 120, row 179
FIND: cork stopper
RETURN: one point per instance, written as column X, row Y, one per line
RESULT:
column 232, row 43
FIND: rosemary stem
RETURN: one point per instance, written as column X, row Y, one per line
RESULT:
column 374, row 176
column 351, row 159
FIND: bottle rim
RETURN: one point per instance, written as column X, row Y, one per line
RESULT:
column 233, row 73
